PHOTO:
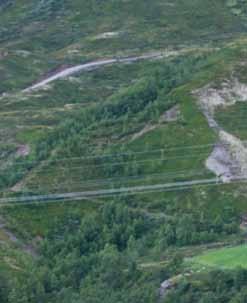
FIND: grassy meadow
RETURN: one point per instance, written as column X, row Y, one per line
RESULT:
column 229, row 257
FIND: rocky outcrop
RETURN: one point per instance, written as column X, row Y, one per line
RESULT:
column 228, row 159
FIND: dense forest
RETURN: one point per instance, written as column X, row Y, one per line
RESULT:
column 87, row 260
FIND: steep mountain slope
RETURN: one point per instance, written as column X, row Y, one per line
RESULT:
column 114, row 173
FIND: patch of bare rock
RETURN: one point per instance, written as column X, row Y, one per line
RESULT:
column 107, row 35
column 23, row 150
column 171, row 115
column 228, row 159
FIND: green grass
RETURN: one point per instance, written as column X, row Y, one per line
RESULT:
column 37, row 220
column 230, row 257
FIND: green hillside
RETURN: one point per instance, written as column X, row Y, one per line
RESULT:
column 125, row 173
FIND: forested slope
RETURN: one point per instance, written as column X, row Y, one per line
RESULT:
column 125, row 182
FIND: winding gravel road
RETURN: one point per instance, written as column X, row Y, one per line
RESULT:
column 93, row 65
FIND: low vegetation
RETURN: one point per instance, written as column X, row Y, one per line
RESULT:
column 230, row 257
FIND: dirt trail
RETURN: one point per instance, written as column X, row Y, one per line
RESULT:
column 148, row 128
column 93, row 65
column 229, row 157
column 171, row 115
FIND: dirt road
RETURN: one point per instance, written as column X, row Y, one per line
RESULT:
column 93, row 65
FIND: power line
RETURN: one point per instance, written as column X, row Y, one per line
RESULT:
column 110, row 191
column 130, row 153
column 120, row 191
column 113, row 155
column 106, row 192
column 114, row 164
column 38, row 203
column 95, row 182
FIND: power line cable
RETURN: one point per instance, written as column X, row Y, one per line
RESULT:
column 113, row 164
column 95, row 182
column 33, row 200
column 132, row 153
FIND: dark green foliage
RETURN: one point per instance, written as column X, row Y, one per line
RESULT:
column 196, row 227
column 97, row 256
column 88, row 260
column 4, row 289
column 212, row 287
column 47, row 8
column 5, row 4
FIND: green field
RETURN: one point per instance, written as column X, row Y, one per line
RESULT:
column 229, row 257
